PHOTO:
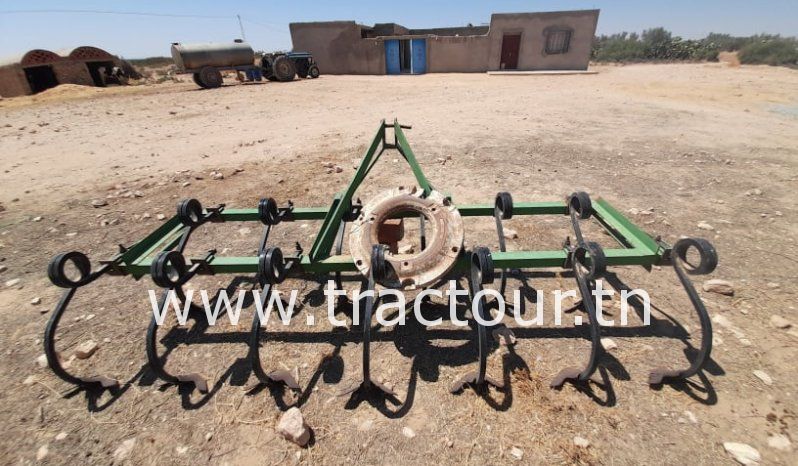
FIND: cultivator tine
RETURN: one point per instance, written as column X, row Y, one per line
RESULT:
column 585, row 273
column 58, row 275
column 275, row 377
column 271, row 271
column 583, row 374
column 481, row 273
column 155, row 361
column 708, row 260
column 170, row 271
column 377, row 270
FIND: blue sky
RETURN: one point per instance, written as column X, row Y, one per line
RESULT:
column 266, row 23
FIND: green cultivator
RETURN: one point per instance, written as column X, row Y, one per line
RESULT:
column 374, row 258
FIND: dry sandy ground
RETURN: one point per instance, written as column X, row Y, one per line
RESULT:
column 695, row 143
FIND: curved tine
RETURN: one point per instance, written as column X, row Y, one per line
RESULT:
column 479, row 378
column 54, row 361
column 155, row 362
column 573, row 373
column 502, row 248
column 659, row 374
column 273, row 377
column 580, row 240
column 483, row 342
column 368, row 382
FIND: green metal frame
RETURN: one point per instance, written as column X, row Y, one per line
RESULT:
column 636, row 246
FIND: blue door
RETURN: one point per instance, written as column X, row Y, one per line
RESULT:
column 392, row 56
column 419, row 51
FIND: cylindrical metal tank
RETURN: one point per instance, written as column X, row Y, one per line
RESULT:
column 217, row 54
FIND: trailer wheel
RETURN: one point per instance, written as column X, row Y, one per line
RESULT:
column 314, row 71
column 198, row 81
column 283, row 69
column 211, row 77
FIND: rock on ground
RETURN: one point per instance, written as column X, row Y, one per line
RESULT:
column 42, row 453
column 86, row 349
column 124, row 450
column 780, row 322
column 408, row 432
column 517, row 453
column 509, row 233
column 743, row 453
column 719, row 286
column 292, row 426
column 581, row 442
column 41, row 361
column 764, row 377
column 779, row 442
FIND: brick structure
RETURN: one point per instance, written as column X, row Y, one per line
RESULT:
column 40, row 69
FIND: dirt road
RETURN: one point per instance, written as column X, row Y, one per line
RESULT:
column 670, row 145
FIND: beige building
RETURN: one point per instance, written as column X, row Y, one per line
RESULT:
column 559, row 40
column 39, row 69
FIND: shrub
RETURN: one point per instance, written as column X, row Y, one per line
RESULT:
column 770, row 50
column 653, row 44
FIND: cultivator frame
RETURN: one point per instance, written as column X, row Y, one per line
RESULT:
column 160, row 254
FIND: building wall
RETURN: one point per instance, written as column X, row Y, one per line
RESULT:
column 339, row 46
column 458, row 54
column 531, row 54
column 13, row 81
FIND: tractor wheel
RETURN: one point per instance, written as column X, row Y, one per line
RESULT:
column 301, row 69
column 197, row 80
column 314, row 71
column 210, row 77
column 283, row 69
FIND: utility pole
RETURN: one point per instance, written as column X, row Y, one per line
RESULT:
column 241, row 26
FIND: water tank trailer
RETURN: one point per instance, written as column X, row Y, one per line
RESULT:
column 206, row 61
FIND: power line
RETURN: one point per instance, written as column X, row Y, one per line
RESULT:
column 271, row 26
column 111, row 12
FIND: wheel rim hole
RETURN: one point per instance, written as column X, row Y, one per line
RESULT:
column 406, row 240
